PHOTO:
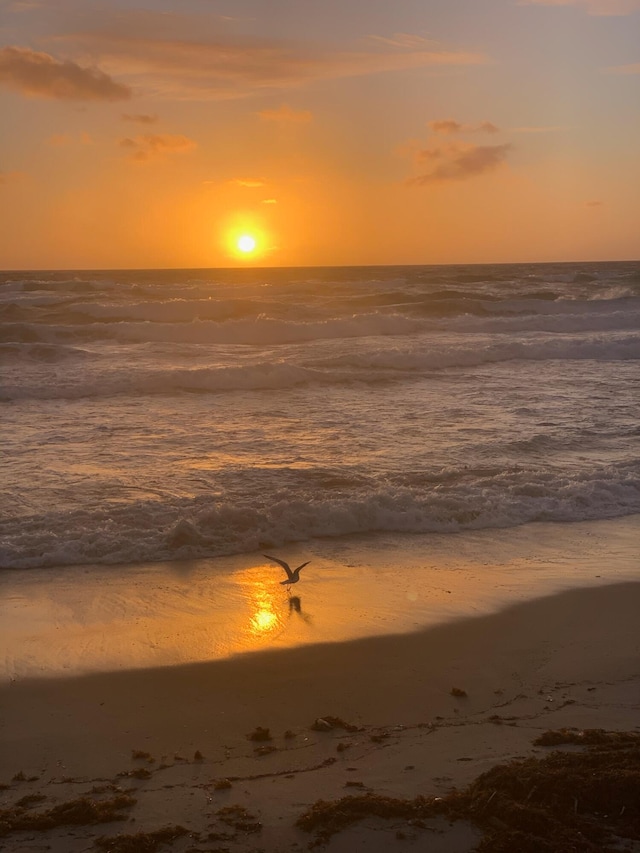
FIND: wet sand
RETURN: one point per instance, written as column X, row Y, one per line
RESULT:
column 568, row 659
column 84, row 619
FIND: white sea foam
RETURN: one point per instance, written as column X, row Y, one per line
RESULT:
column 164, row 414
column 371, row 366
column 148, row 531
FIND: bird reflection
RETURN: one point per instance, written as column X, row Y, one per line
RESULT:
column 295, row 606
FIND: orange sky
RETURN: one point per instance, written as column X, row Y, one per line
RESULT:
column 341, row 132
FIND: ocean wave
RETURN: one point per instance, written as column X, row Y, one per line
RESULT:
column 39, row 352
column 372, row 366
column 266, row 331
column 206, row 526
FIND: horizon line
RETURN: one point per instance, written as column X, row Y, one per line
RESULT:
column 314, row 266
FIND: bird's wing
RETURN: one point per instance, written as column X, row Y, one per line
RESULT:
column 303, row 565
column 284, row 565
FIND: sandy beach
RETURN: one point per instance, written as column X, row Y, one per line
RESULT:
column 409, row 714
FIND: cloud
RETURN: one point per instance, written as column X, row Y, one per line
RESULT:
column 269, row 200
column 633, row 68
column 285, row 113
column 226, row 67
column 155, row 146
column 600, row 8
column 251, row 183
column 594, row 203
column 405, row 40
column 41, row 75
column 449, row 125
column 458, row 161
column 140, row 118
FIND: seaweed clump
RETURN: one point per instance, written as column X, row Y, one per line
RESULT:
column 82, row 811
column 239, row 819
column 577, row 801
column 141, row 842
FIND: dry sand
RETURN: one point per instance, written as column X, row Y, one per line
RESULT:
column 566, row 660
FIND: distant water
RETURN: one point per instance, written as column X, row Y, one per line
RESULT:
column 158, row 415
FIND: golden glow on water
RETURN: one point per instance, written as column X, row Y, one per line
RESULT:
column 264, row 619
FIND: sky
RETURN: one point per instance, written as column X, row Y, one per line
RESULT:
column 324, row 132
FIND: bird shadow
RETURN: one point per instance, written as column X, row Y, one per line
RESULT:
column 295, row 608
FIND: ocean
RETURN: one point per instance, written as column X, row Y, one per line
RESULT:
column 171, row 415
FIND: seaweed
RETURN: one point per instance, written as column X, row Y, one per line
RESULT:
column 260, row 734
column 138, row 773
column 576, row 801
column 328, row 722
column 326, row 818
column 239, row 819
column 141, row 842
column 141, row 754
column 82, row 811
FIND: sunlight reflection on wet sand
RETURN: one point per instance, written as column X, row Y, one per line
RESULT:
column 119, row 617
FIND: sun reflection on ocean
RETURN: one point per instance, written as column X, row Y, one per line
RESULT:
column 265, row 619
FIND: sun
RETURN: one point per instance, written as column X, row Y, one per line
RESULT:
column 246, row 243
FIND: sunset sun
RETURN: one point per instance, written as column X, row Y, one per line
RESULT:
column 246, row 243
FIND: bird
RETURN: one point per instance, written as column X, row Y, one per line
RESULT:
column 292, row 576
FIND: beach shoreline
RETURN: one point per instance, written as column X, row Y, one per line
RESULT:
column 569, row 659
column 82, row 619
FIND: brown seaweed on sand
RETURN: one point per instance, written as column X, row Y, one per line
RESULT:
column 329, row 722
column 82, row 811
column 581, row 801
column 141, row 842
column 259, row 734
column 239, row 819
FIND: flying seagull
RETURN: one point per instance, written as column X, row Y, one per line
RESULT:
column 292, row 576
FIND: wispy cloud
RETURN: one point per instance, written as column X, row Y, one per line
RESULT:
column 405, row 40
column 155, row 146
column 221, row 68
column 287, row 114
column 602, row 8
column 269, row 201
column 449, row 126
column 458, row 161
column 249, row 183
column 140, row 118
column 594, row 203
column 41, row 75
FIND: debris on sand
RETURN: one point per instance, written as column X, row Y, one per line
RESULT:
column 582, row 801
column 138, row 773
column 329, row 722
column 82, row 811
column 259, row 734
column 239, row 819
column 142, row 755
column 141, row 842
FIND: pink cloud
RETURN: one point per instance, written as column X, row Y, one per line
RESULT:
column 154, row 146
column 450, row 126
column 458, row 161
column 40, row 75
